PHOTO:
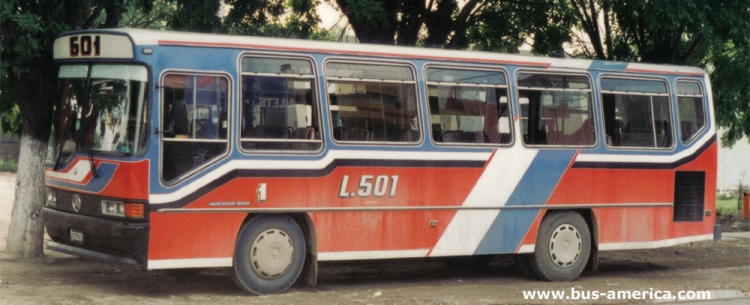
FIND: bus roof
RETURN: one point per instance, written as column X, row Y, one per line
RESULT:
column 142, row 37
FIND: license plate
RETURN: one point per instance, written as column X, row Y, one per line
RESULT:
column 76, row 236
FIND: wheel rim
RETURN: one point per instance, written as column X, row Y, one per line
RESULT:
column 565, row 246
column 271, row 253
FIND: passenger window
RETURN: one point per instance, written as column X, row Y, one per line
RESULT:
column 690, row 109
column 468, row 106
column 636, row 113
column 556, row 109
column 279, row 105
column 194, row 121
column 372, row 103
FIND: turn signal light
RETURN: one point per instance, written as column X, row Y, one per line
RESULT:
column 134, row 210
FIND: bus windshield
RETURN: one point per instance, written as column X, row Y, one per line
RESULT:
column 101, row 109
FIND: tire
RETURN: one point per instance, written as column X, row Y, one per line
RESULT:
column 563, row 246
column 269, row 254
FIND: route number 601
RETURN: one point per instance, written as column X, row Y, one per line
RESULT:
column 85, row 45
column 370, row 185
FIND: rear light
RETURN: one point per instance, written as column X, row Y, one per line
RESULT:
column 134, row 210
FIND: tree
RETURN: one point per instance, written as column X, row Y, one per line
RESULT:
column 148, row 15
column 480, row 24
column 28, row 82
column 438, row 23
column 714, row 35
column 274, row 18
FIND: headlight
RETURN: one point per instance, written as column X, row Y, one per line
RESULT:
column 121, row 209
column 51, row 199
column 113, row 208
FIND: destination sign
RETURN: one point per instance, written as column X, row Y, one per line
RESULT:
column 93, row 45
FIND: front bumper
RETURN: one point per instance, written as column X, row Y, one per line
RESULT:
column 112, row 241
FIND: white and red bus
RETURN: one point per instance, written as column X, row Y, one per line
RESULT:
column 178, row 150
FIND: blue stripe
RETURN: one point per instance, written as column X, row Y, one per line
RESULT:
column 536, row 186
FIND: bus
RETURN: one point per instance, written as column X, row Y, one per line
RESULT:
column 265, row 156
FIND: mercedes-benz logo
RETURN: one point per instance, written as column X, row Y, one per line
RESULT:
column 76, row 203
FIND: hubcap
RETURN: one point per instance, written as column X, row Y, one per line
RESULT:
column 565, row 246
column 271, row 253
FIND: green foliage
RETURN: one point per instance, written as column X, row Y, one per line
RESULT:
column 727, row 206
column 368, row 14
column 11, row 119
column 504, row 26
column 714, row 35
column 149, row 15
column 8, row 166
column 197, row 15
column 274, row 18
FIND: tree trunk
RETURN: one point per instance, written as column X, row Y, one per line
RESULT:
column 26, row 232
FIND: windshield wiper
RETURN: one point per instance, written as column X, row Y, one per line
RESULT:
column 62, row 140
column 87, row 105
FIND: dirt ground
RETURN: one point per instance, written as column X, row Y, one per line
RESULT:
column 721, row 267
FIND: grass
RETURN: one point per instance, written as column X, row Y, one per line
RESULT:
column 727, row 206
column 8, row 166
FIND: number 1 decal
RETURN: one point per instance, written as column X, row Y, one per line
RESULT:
column 261, row 192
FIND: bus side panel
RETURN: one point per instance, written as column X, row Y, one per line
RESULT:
column 639, row 227
column 198, row 236
column 610, row 186
column 388, row 234
column 345, row 187
column 175, row 236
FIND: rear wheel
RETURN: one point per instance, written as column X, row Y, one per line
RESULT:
column 269, row 254
column 563, row 246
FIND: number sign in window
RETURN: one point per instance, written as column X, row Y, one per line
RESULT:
column 468, row 106
column 372, row 103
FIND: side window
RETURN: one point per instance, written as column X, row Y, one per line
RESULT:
column 636, row 113
column 279, row 105
column 690, row 109
column 194, row 121
column 468, row 106
column 556, row 109
column 372, row 103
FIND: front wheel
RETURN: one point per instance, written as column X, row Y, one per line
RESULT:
column 269, row 254
column 563, row 246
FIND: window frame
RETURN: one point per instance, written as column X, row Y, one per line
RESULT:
column 374, row 62
column 507, row 86
column 160, row 112
column 670, row 102
column 316, row 95
column 593, row 105
column 677, row 108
